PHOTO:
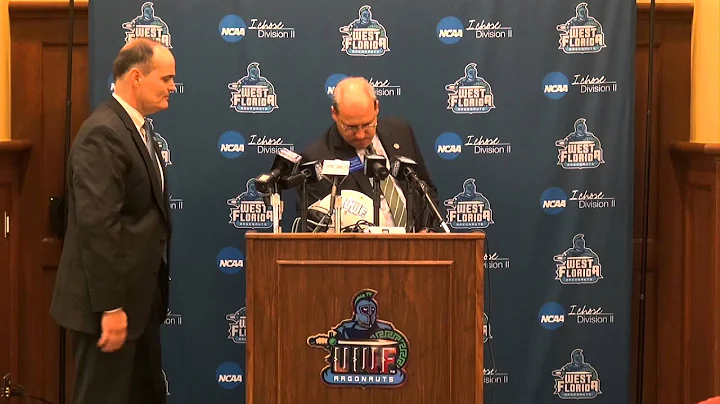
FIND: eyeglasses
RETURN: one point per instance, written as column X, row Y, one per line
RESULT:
column 356, row 128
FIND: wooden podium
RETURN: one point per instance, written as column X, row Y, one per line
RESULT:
column 364, row 318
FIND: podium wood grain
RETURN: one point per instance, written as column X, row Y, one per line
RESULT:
column 429, row 286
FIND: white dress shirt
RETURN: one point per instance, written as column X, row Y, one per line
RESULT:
column 139, row 122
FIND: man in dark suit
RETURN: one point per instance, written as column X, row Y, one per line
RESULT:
column 355, row 112
column 111, row 290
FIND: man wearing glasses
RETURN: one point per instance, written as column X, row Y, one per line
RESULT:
column 358, row 131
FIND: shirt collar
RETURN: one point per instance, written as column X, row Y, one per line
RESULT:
column 136, row 116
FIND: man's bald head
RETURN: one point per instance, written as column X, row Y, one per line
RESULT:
column 355, row 110
column 137, row 53
column 353, row 92
column 144, row 73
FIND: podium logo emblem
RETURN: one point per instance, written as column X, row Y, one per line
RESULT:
column 363, row 350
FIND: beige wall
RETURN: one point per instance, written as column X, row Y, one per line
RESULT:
column 705, row 105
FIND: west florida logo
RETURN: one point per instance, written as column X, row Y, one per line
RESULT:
column 249, row 210
column 237, row 331
column 147, row 25
column 578, row 265
column 580, row 149
column 577, row 379
column 162, row 144
column 470, row 94
column 582, row 33
column 469, row 209
column 363, row 350
column 364, row 36
column 253, row 94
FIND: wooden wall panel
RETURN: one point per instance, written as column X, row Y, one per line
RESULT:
column 38, row 67
column 12, row 158
column 698, row 174
column 670, row 123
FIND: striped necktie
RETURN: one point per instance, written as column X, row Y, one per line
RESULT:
column 392, row 196
column 149, row 138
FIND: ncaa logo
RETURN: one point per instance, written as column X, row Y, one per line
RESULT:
column 448, row 146
column 229, row 375
column 332, row 82
column 553, row 201
column 231, row 145
column 111, row 83
column 450, row 30
column 230, row 260
column 551, row 316
column 232, row 28
column 555, row 85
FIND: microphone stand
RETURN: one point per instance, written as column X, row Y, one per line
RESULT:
column 337, row 222
column 408, row 205
column 303, row 206
column 376, row 202
column 333, row 199
column 423, row 188
column 276, row 203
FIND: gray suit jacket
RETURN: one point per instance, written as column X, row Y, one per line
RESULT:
column 118, row 230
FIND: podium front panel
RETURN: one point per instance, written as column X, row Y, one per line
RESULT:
column 375, row 319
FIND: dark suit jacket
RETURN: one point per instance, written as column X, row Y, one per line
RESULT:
column 118, row 228
column 391, row 132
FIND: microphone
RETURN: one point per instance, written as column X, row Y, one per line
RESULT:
column 308, row 173
column 334, row 169
column 375, row 168
column 404, row 168
column 286, row 162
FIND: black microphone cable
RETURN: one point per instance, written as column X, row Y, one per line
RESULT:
column 646, row 212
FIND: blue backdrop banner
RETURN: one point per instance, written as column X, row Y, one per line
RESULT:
column 523, row 109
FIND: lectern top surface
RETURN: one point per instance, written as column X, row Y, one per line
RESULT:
column 395, row 236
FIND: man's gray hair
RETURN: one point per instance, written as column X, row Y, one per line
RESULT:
column 340, row 89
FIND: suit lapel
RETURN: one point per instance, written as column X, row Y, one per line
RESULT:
column 137, row 139
column 344, row 151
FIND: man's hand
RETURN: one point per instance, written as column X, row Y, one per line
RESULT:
column 114, row 331
column 426, row 230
